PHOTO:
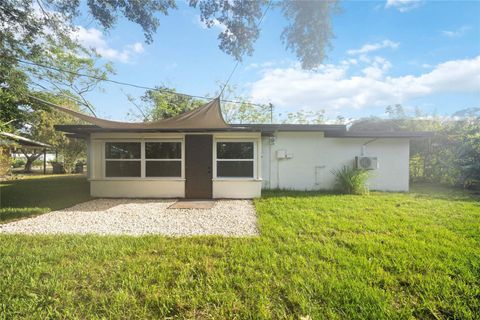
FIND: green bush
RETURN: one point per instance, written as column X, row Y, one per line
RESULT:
column 351, row 181
column 18, row 163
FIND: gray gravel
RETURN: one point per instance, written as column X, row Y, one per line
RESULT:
column 142, row 217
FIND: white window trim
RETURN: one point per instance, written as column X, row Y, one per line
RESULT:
column 143, row 160
column 254, row 159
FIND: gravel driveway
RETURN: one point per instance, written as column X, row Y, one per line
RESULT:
column 142, row 217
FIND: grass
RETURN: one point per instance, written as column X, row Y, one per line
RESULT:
column 38, row 194
column 381, row 256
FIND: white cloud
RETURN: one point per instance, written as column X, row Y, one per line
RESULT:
column 403, row 5
column 94, row 39
column 335, row 87
column 369, row 47
column 456, row 33
column 216, row 24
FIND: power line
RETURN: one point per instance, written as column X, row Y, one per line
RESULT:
column 238, row 61
column 104, row 79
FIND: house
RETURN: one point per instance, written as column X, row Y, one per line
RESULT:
column 198, row 155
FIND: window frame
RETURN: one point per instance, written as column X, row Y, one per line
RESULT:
column 143, row 159
column 105, row 159
column 216, row 160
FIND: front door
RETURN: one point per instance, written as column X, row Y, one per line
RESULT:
column 198, row 166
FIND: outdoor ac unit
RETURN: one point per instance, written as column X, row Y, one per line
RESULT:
column 366, row 163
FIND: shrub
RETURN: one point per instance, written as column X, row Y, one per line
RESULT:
column 351, row 181
column 18, row 163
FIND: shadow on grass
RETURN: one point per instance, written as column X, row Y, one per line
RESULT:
column 417, row 190
column 39, row 194
column 273, row 193
column 13, row 214
column 442, row 192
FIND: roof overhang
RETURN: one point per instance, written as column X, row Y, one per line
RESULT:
column 330, row 131
column 271, row 129
column 380, row 134
column 85, row 130
column 22, row 141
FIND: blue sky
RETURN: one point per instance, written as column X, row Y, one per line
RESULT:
column 418, row 53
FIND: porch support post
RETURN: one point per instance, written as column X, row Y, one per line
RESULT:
column 44, row 161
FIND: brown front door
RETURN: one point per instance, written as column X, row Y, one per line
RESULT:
column 198, row 166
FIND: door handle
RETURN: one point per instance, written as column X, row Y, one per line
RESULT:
column 209, row 169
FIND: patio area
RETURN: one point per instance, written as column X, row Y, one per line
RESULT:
column 137, row 217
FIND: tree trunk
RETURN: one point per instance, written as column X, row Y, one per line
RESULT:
column 30, row 159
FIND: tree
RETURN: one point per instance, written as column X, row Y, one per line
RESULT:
column 162, row 103
column 41, row 37
column 307, row 33
column 451, row 157
column 305, row 117
column 241, row 111
column 41, row 127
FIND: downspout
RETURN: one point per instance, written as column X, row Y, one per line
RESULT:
column 272, row 141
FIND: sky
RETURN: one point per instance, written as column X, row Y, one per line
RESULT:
column 421, row 54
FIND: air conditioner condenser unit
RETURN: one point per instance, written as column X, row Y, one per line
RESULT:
column 366, row 163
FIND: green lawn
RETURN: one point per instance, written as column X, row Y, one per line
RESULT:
column 382, row 256
column 39, row 194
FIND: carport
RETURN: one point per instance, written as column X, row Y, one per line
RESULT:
column 13, row 142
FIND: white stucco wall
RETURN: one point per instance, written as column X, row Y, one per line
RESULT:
column 100, row 186
column 237, row 189
column 138, row 188
column 314, row 157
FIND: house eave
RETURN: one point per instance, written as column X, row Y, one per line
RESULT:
column 380, row 134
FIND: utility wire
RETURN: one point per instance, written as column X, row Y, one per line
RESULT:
column 128, row 84
column 238, row 61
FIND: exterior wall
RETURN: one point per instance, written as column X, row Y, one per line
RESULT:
column 100, row 186
column 138, row 188
column 237, row 189
column 314, row 157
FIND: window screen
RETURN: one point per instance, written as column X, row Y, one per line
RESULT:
column 122, row 150
column 163, row 169
column 235, row 159
column 122, row 159
column 163, row 150
column 163, row 159
column 122, row 169
column 234, row 150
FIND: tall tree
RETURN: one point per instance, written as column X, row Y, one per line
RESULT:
column 305, row 117
column 162, row 103
column 452, row 156
column 40, row 126
column 307, row 33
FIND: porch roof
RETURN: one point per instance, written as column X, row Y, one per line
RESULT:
column 22, row 141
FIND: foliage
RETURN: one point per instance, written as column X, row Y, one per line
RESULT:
column 41, row 128
column 351, row 180
column 307, row 33
column 451, row 157
column 243, row 112
column 162, row 103
column 305, row 117
column 17, row 163
column 385, row 256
